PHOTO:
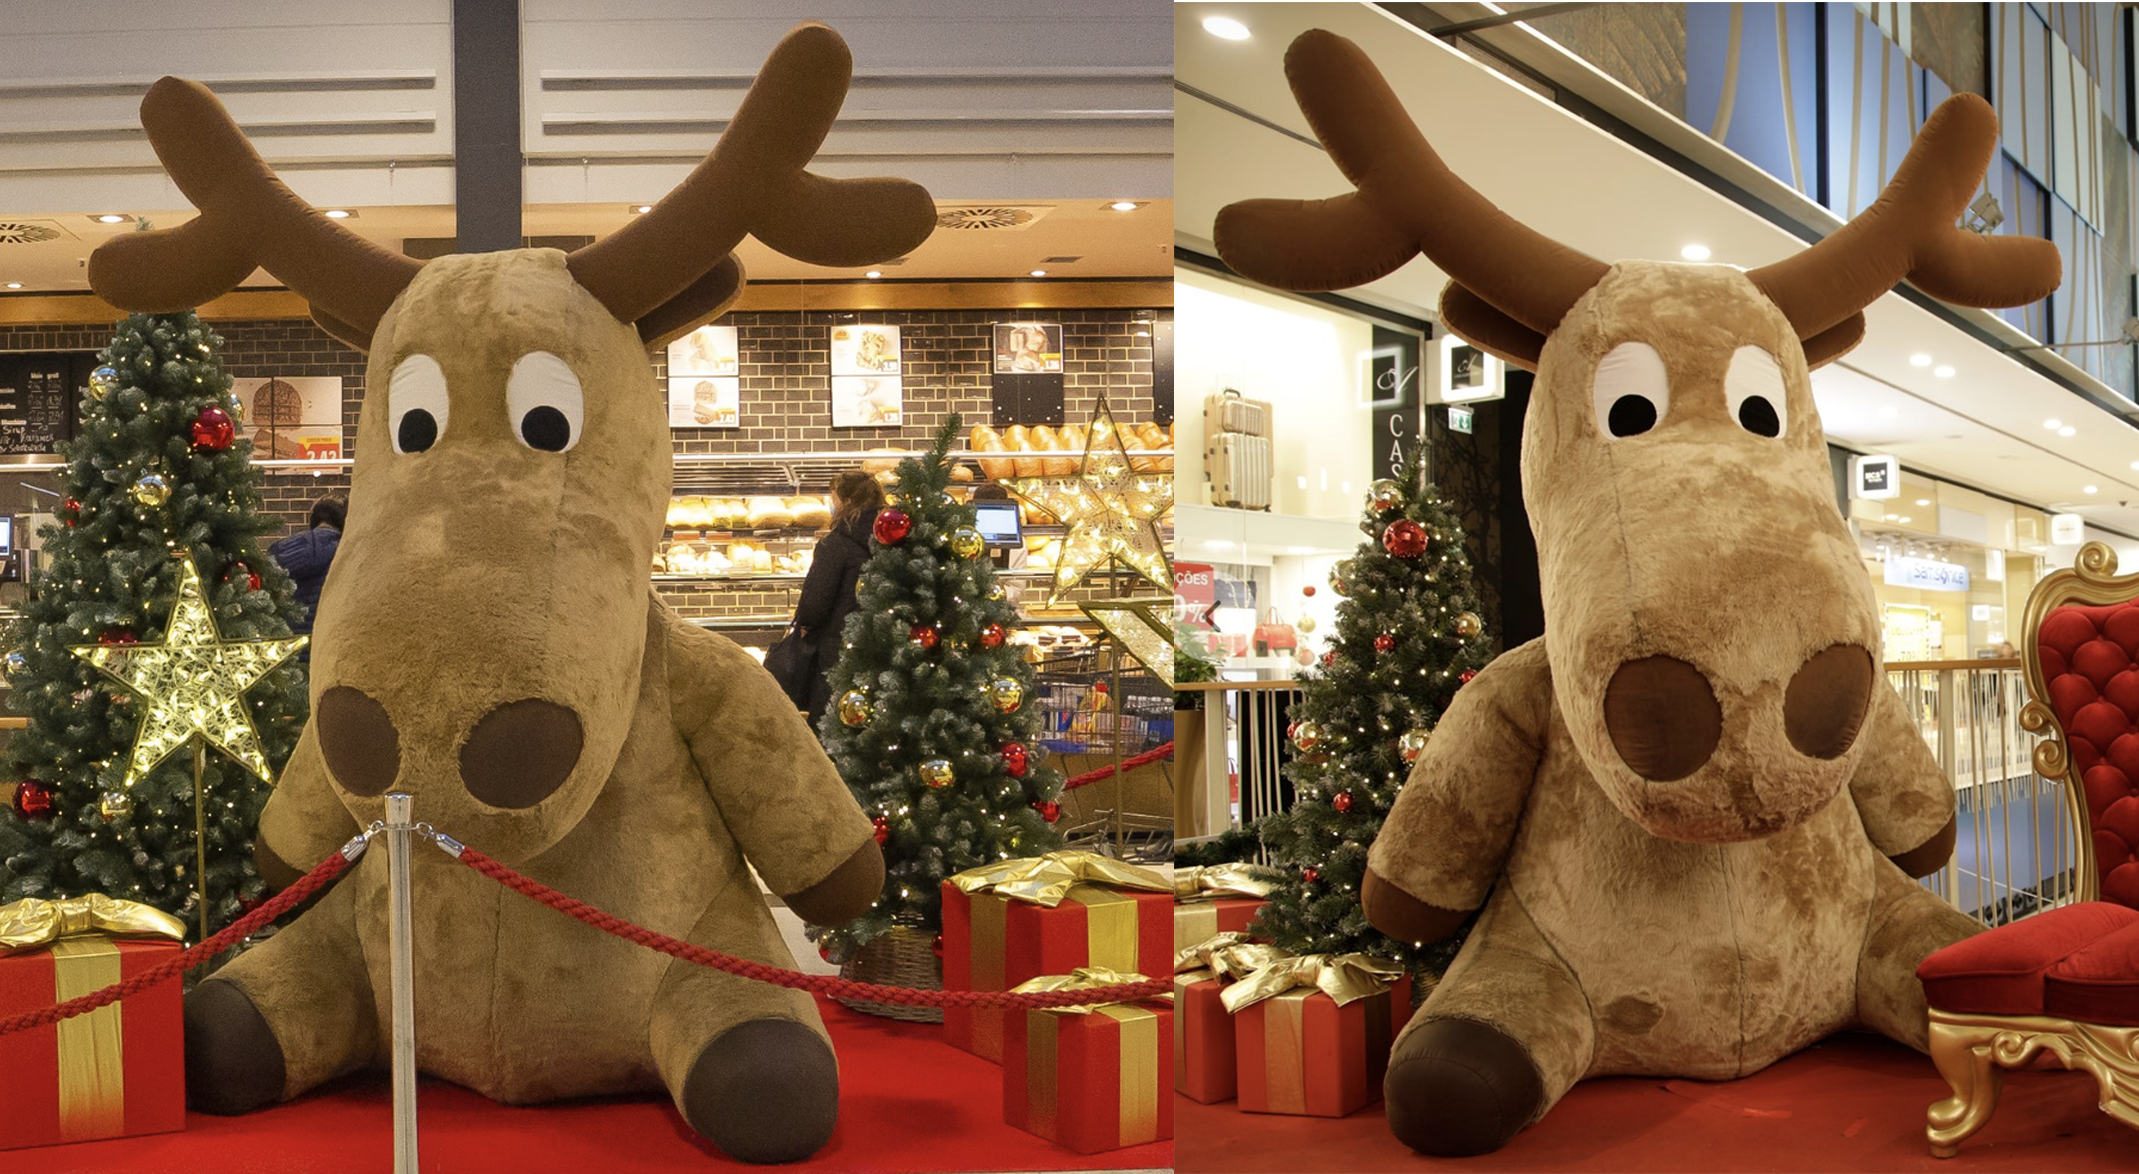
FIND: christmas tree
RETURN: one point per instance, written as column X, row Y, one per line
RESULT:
column 1407, row 637
column 157, row 473
column 934, row 722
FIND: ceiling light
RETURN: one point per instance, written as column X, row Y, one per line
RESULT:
column 1943, row 372
column 110, row 218
column 2135, row 464
column 1695, row 252
column 337, row 214
column 1893, row 517
column 1919, row 359
column 641, row 209
column 2068, row 430
column 2089, row 489
column 1225, row 27
column 14, row 285
column 1039, row 273
column 2053, row 424
column 1123, row 205
column 1923, row 501
column 873, row 274
column 1904, row 520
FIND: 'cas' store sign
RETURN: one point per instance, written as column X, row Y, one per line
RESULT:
column 1926, row 575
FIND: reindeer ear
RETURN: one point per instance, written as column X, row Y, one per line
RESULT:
column 701, row 301
column 342, row 331
column 1834, row 342
column 1474, row 320
column 1311, row 244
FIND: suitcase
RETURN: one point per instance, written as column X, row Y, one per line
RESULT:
column 1238, row 469
column 1227, row 411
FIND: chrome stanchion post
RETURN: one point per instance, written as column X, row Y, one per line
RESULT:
column 397, row 828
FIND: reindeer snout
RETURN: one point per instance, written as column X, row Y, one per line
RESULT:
column 1824, row 706
column 358, row 740
column 1663, row 717
column 520, row 752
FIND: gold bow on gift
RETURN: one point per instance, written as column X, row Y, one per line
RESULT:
column 31, row 923
column 1047, row 880
column 1227, row 955
column 1213, row 881
column 1086, row 978
column 1346, row 978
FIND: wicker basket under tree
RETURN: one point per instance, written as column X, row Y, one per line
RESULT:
column 905, row 956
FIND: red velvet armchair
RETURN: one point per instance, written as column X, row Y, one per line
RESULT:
column 2064, row 982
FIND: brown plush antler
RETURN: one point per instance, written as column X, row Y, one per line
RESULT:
column 1909, row 232
column 754, row 183
column 249, row 218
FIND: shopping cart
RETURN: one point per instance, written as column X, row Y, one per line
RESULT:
column 1099, row 708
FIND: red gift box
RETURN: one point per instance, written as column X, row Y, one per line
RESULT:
column 1301, row 1053
column 993, row 943
column 1200, row 921
column 1204, row 1054
column 118, row 1071
column 1091, row 1082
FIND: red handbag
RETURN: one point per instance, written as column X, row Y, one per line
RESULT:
column 1275, row 635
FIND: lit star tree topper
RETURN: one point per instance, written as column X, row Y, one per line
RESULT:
column 1111, row 507
column 192, row 683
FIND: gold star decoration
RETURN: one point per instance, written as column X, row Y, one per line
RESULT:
column 1112, row 509
column 1141, row 626
column 193, row 682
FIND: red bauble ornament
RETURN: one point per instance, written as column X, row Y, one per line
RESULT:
column 938, row 945
column 991, row 635
column 117, row 637
column 1466, row 675
column 1310, row 875
column 212, row 429
column 1308, row 591
column 1049, row 810
column 1342, row 802
column 825, row 952
column 1016, row 759
column 892, row 526
column 33, row 799
column 923, row 634
column 252, row 577
column 1404, row 538
column 1328, row 658
column 883, row 828
column 72, row 511
column 248, row 904
column 1384, row 642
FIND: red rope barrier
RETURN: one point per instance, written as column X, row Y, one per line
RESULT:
column 274, row 907
column 822, row 984
column 1103, row 772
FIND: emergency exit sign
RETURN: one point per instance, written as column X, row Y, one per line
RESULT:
column 1459, row 420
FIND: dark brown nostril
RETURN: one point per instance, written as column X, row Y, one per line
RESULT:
column 1824, row 707
column 358, row 740
column 1663, row 717
column 520, row 752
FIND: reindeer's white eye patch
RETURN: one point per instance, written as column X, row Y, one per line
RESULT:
column 1754, row 389
column 544, row 403
column 1631, row 390
column 416, row 403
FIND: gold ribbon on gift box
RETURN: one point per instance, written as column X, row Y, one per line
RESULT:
column 1347, row 978
column 92, row 1047
column 1139, row 1067
column 1047, row 880
column 1287, row 984
column 1212, row 881
column 1226, row 955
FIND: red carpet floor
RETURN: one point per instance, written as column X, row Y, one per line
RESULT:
column 1855, row 1103
column 908, row 1102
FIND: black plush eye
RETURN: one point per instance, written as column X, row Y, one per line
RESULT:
column 1631, row 390
column 547, row 407
column 1758, row 416
column 416, row 403
column 1753, row 386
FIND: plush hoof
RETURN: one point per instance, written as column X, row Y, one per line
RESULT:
column 233, row 1064
column 764, row 1091
column 1457, row 1087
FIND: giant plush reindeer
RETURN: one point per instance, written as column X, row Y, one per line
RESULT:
column 489, row 641
column 1688, row 815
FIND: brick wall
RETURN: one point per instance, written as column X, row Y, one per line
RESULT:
column 785, row 406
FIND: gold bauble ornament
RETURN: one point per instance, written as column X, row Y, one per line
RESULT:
column 1384, row 495
column 966, row 542
column 1307, row 735
column 115, row 805
column 1306, row 624
column 1468, row 625
column 1412, row 744
column 937, row 773
column 855, row 708
column 103, row 381
column 1007, row 694
column 151, row 491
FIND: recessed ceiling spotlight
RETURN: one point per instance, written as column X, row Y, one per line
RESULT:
column 1893, row 517
column 14, row 285
column 111, row 218
column 874, row 274
column 641, row 209
column 1225, row 28
column 2068, row 430
column 1695, row 252
column 1039, row 273
column 1943, row 372
column 1923, row 501
column 1919, row 359
column 2053, row 423
column 2089, row 489
column 2135, row 464
column 337, row 214
column 1123, row 205
column 1904, row 520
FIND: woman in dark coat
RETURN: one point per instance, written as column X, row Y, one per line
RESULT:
column 828, row 590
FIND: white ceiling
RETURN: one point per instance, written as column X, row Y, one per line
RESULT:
column 1982, row 427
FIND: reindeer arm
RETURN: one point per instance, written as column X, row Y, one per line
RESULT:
column 1447, row 837
column 787, row 808
column 304, row 819
column 1905, row 800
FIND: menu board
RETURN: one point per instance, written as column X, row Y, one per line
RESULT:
column 38, row 394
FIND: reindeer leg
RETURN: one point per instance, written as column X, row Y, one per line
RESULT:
column 1503, row 1037
column 749, row 1064
column 1906, row 925
column 287, row 1015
